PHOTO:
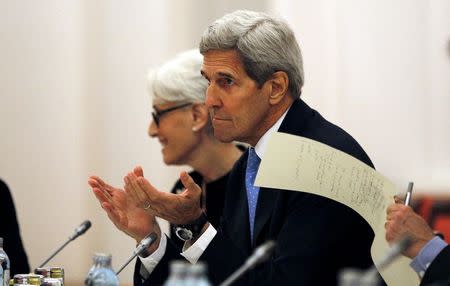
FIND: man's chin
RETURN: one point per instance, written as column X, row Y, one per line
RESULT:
column 223, row 136
column 171, row 162
column 168, row 160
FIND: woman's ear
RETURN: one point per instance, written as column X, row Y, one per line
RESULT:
column 200, row 116
column 279, row 86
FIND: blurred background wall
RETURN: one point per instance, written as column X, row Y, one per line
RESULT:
column 73, row 99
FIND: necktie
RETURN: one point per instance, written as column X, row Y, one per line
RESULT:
column 252, row 191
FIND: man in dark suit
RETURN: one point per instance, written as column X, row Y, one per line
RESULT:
column 9, row 230
column 430, row 253
column 254, row 68
column 438, row 273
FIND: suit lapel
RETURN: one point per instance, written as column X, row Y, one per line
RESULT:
column 295, row 120
column 238, row 225
column 264, row 210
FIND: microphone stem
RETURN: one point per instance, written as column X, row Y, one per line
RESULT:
column 126, row 263
column 238, row 273
column 54, row 253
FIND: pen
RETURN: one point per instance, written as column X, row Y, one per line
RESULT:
column 409, row 193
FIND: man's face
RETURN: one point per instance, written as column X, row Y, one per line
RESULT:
column 238, row 108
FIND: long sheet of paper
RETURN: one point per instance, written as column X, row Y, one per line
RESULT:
column 300, row 164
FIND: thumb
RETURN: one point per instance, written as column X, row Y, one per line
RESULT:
column 189, row 183
column 398, row 200
column 138, row 171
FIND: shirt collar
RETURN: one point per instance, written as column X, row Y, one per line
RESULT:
column 261, row 146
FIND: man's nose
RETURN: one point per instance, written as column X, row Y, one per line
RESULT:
column 152, row 129
column 211, row 98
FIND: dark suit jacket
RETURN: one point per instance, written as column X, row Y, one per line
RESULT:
column 9, row 230
column 439, row 269
column 316, row 237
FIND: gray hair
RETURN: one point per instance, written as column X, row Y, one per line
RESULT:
column 179, row 79
column 265, row 45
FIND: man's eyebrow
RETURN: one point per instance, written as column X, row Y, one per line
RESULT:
column 225, row 74
column 221, row 74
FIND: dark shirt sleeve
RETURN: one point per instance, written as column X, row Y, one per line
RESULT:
column 161, row 271
column 439, row 270
column 9, row 230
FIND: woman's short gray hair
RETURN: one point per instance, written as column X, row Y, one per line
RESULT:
column 179, row 80
column 265, row 45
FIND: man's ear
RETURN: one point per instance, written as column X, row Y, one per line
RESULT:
column 200, row 116
column 279, row 86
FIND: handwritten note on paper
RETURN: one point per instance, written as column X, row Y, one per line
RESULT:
column 301, row 164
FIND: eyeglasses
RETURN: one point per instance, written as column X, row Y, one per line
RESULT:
column 156, row 114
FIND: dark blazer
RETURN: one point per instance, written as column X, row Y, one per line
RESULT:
column 439, row 270
column 316, row 237
column 9, row 230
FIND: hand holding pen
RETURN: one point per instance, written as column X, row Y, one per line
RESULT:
column 409, row 193
column 407, row 200
column 401, row 220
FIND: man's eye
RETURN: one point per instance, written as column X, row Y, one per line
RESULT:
column 226, row 81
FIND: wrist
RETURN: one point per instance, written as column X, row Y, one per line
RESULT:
column 415, row 248
column 191, row 230
column 204, row 228
column 154, row 246
column 189, row 243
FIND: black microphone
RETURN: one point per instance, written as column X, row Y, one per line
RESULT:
column 141, row 248
column 81, row 229
column 261, row 254
column 78, row 231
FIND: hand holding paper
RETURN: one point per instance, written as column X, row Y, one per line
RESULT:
column 313, row 167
